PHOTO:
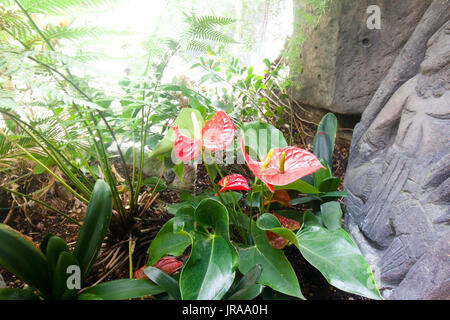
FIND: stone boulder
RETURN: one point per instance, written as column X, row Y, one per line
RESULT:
column 343, row 61
column 398, row 174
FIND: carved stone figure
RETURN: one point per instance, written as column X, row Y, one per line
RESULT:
column 398, row 181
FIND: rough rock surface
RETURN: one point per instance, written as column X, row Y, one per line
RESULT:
column 343, row 61
column 398, row 175
column 2, row 282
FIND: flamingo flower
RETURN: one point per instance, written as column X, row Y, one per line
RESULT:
column 281, row 167
column 167, row 264
column 278, row 241
column 233, row 182
column 216, row 135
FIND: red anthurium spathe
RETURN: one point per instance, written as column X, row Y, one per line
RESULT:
column 233, row 182
column 167, row 264
column 282, row 166
column 278, row 241
column 185, row 148
column 217, row 134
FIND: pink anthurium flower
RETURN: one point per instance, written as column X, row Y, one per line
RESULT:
column 167, row 264
column 282, row 166
column 217, row 134
column 233, row 182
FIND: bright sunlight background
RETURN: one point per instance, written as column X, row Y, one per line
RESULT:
column 261, row 35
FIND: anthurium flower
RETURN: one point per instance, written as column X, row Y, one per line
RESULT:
column 282, row 166
column 233, row 182
column 167, row 264
column 216, row 135
column 278, row 241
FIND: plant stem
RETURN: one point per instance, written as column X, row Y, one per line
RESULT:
column 216, row 189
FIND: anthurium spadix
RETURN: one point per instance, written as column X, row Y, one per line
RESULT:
column 282, row 166
column 216, row 135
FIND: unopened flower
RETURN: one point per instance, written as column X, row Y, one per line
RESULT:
column 167, row 264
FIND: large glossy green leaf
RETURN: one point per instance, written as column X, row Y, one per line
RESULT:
column 300, row 186
column 210, row 269
column 337, row 257
column 60, row 275
column 189, row 121
column 17, row 294
column 277, row 272
column 331, row 213
column 209, row 272
column 247, row 288
column 329, row 184
column 94, row 228
column 121, row 289
column 261, row 137
column 211, row 213
column 168, row 242
column 19, row 256
column 166, row 282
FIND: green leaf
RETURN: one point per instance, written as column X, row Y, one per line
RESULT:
column 268, row 222
column 167, row 242
column 94, row 228
column 178, row 169
column 60, row 275
column 337, row 257
column 55, row 246
column 334, row 194
column 247, row 288
column 321, row 174
column 121, row 290
column 212, row 213
column 331, row 215
column 261, row 137
column 328, row 125
column 305, row 199
column 329, row 184
column 300, row 186
column 208, row 273
column 322, row 148
column 277, row 272
column 190, row 123
column 19, row 256
column 17, row 294
column 163, row 280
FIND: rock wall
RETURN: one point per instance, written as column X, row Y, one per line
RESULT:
column 398, row 175
column 343, row 61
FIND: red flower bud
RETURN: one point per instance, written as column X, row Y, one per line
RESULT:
column 167, row 264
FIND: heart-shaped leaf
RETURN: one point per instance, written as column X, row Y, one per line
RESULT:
column 337, row 257
column 331, row 215
column 167, row 242
column 277, row 272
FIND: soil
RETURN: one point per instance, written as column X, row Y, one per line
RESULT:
column 35, row 222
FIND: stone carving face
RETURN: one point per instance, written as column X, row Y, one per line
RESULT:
column 399, row 184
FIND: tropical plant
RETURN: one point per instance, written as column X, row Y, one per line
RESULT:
column 203, row 222
column 49, row 269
